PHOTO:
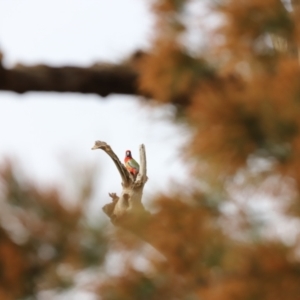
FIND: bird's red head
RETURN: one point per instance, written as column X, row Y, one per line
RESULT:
column 128, row 153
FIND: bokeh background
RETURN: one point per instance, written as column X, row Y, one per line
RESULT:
column 221, row 127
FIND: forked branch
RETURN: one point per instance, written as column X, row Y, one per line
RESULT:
column 127, row 211
column 129, row 204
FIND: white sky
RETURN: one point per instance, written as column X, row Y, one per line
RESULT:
column 43, row 130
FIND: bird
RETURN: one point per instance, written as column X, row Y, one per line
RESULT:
column 131, row 165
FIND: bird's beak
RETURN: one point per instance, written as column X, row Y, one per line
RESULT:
column 95, row 147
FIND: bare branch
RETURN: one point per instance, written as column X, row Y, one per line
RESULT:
column 142, row 176
column 126, row 179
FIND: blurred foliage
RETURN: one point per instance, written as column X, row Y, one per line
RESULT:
column 44, row 241
column 232, row 235
column 239, row 95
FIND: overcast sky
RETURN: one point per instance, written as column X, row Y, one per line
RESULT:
column 44, row 130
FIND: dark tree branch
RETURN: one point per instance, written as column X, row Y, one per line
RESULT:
column 102, row 79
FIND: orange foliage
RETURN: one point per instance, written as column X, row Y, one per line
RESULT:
column 43, row 244
column 244, row 101
column 248, row 25
column 241, row 101
column 202, row 262
column 14, row 269
column 234, row 120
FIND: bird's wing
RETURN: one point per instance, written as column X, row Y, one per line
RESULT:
column 133, row 164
